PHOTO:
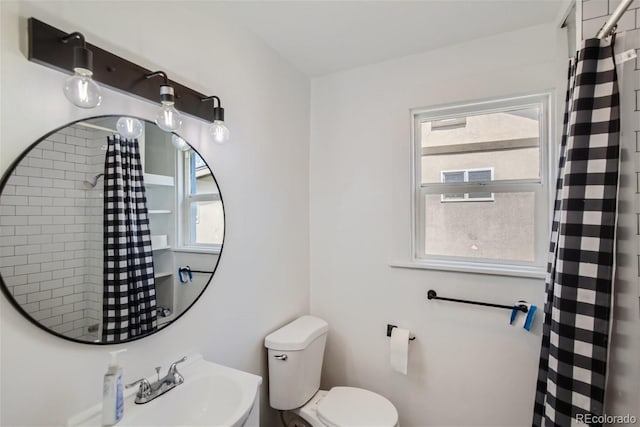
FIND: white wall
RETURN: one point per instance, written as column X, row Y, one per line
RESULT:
column 467, row 365
column 262, row 173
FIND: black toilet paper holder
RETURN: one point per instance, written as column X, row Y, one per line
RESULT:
column 390, row 327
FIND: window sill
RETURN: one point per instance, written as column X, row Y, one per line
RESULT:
column 532, row 272
column 198, row 250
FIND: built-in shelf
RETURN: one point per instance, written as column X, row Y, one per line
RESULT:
column 159, row 211
column 165, row 274
column 153, row 179
column 163, row 320
column 161, row 248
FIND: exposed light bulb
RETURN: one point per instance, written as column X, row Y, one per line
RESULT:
column 129, row 128
column 179, row 143
column 217, row 129
column 81, row 90
column 168, row 118
column 219, row 132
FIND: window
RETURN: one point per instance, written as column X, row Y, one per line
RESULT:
column 480, row 185
column 202, row 215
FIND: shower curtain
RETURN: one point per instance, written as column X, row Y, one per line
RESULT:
column 129, row 296
column 573, row 358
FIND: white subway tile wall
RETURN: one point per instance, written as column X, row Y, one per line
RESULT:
column 596, row 12
column 51, row 232
column 594, row 15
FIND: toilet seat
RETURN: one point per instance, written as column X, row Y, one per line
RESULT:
column 351, row 406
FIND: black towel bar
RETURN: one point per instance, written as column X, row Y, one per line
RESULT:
column 431, row 294
column 187, row 269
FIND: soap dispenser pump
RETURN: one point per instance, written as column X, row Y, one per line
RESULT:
column 112, row 395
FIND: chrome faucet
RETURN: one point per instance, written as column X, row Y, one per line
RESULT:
column 148, row 391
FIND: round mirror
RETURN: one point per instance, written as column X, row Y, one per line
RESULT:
column 110, row 230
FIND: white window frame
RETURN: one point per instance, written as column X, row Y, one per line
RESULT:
column 184, row 201
column 466, row 198
column 540, row 187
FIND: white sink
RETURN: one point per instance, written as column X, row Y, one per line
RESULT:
column 211, row 395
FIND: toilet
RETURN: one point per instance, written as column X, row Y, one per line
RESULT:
column 295, row 354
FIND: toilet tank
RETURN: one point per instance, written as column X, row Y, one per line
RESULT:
column 295, row 354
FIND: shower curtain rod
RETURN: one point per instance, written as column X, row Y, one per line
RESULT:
column 96, row 127
column 609, row 26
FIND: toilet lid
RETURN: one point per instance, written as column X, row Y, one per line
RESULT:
column 350, row 406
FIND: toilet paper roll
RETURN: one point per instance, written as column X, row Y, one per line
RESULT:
column 399, row 350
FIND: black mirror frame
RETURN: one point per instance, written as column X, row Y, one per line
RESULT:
column 5, row 290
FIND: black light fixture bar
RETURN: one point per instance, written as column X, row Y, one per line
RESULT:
column 47, row 48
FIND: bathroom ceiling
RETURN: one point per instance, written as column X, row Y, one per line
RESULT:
column 321, row 37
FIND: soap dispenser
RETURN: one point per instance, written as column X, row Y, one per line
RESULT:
column 112, row 396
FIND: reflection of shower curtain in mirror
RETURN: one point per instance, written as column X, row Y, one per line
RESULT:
column 129, row 297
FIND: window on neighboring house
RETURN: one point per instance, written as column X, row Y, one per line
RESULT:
column 202, row 215
column 468, row 175
column 467, row 155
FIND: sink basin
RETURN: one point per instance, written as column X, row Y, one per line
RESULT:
column 211, row 395
column 209, row 400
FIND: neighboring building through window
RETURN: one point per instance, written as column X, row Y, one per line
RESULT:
column 467, row 175
column 468, row 155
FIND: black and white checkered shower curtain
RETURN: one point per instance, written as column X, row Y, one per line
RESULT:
column 579, row 283
column 129, row 296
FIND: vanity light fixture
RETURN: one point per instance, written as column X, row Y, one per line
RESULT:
column 80, row 88
column 217, row 129
column 129, row 128
column 109, row 70
column 168, row 118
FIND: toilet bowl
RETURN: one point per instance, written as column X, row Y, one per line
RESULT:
column 348, row 406
column 295, row 354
